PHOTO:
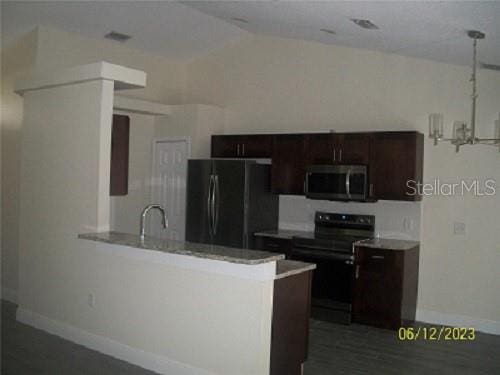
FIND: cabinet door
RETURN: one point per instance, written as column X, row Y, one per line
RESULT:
column 289, row 164
column 353, row 149
column 377, row 287
column 226, row 146
column 256, row 146
column 290, row 324
column 120, row 135
column 396, row 160
column 321, row 149
column 241, row 146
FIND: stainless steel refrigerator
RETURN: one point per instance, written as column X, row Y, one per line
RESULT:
column 228, row 200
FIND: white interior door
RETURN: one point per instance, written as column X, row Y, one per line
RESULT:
column 169, row 187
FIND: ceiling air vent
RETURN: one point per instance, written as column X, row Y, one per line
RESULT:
column 365, row 24
column 117, row 37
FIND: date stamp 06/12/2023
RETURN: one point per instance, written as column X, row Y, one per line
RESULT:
column 436, row 334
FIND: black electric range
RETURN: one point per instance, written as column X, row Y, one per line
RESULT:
column 331, row 248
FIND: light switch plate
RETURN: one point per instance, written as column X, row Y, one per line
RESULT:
column 459, row 228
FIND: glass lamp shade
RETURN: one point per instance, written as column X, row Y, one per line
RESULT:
column 436, row 125
column 497, row 130
column 459, row 132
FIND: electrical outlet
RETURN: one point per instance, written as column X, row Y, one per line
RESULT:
column 408, row 224
column 459, row 228
column 91, row 300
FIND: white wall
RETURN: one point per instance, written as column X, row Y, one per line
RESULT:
column 161, row 316
column 17, row 60
column 278, row 85
column 47, row 49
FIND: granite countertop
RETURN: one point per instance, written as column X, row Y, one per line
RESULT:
column 388, row 244
column 285, row 268
column 214, row 252
column 281, row 233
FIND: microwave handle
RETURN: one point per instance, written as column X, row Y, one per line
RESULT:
column 348, row 183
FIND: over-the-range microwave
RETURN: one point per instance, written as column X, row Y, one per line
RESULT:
column 336, row 182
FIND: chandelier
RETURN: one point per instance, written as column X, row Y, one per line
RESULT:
column 462, row 133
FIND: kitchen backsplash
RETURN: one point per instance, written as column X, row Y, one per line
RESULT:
column 392, row 219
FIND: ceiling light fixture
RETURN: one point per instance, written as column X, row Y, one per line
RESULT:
column 328, row 31
column 238, row 19
column 365, row 24
column 117, row 37
column 463, row 134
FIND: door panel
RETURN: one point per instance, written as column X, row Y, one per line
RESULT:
column 396, row 160
column 256, row 146
column 288, row 169
column 226, row 146
column 169, row 188
column 120, row 136
column 198, row 178
column 355, row 149
column 321, row 148
column 230, row 200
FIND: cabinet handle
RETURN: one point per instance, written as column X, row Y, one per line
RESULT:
column 242, row 149
column 273, row 245
column 378, row 257
column 371, row 190
column 340, row 155
column 334, row 154
column 357, row 271
column 238, row 150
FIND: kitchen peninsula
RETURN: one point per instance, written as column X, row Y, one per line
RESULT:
column 170, row 307
column 216, row 280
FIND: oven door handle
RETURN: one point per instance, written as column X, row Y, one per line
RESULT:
column 348, row 183
column 312, row 254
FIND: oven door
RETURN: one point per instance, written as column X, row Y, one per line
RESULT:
column 336, row 182
column 331, row 283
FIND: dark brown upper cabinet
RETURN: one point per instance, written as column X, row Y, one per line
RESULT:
column 396, row 159
column 120, row 135
column 339, row 148
column 289, row 161
column 241, row 146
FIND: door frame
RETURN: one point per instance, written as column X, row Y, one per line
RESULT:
column 186, row 139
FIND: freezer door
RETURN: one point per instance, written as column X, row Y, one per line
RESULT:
column 230, row 198
column 198, row 201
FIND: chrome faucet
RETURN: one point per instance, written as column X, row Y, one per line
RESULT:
column 143, row 218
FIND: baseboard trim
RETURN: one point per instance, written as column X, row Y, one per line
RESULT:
column 146, row 360
column 9, row 295
column 453, row 320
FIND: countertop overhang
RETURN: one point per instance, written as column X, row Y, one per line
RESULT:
column 205, row 251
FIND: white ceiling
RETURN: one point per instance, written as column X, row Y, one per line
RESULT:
column 163, row 28
column 424, row 29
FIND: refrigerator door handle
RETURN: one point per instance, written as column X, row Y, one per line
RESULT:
column 209, row 205
column 216, row 204
column 212, row 205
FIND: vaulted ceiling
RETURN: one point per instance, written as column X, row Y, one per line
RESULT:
column 423, row 29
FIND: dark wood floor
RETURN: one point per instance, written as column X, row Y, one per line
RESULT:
column 334, row 349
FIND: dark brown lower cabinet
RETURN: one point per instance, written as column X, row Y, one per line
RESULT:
column 385, row 287
column 290, row 324
column 120, row 134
